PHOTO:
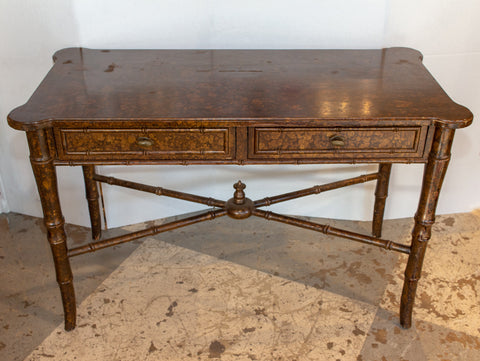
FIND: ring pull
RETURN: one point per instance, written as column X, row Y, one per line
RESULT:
column 337, row 140
column 144, row 142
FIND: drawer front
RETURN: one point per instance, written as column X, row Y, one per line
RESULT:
column 337, row 143
column 120, row 144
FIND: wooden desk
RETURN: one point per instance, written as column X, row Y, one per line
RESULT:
column 238, row 107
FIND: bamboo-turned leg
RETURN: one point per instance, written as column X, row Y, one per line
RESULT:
column 434, row 173
column 46, row 179
column 91, row 193
column 381, row 193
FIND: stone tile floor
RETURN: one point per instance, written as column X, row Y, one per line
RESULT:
column 242, row 290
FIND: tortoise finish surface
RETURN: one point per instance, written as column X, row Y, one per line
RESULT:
column 116, row 85
column 100, row 107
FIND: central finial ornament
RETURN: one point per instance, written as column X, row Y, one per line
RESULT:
column 239, row 207
column 239, row 195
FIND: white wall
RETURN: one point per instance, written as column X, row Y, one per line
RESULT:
column 447, row 34
column 30, row 31
column 445, row 31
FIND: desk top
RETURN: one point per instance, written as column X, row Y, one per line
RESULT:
column 248, row 85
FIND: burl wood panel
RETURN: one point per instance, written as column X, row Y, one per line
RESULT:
column 180, row 143
column 320, row 143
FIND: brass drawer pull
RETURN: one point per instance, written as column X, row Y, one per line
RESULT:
column 337, row 140
column 144, row 142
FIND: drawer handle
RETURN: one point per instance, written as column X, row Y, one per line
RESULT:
column 144, row 142
column 337, row 141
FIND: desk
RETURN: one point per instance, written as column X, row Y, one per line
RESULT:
column 101, row 107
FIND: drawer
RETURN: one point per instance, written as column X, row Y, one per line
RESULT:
column 336, row 143
column 121, row 144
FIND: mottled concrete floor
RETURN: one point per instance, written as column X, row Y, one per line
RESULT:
column 30, row 307
column 242, row 290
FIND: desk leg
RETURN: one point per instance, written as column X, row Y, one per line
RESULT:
column 434, row 173
column 46, row 179
column 381, row 193
column 91, row 193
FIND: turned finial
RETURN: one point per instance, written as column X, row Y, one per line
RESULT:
column 239, row 207
column 239, row 195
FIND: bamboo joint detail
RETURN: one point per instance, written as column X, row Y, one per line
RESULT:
column 239, row 207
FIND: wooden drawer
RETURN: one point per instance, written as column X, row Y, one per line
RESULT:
column 337, row 143
column 120, row 144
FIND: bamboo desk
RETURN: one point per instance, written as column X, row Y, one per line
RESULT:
column 101, row 107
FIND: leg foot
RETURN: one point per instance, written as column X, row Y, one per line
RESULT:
column 433, row 176
column 46, row 179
